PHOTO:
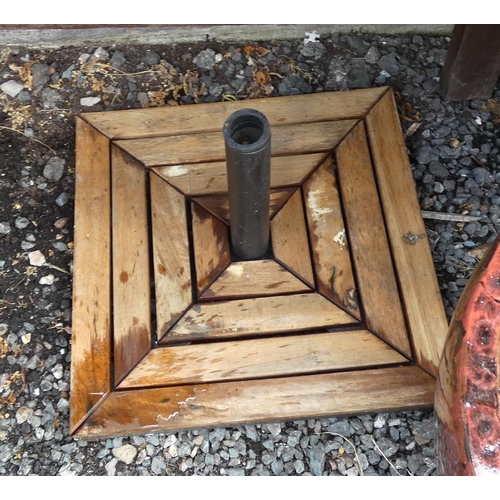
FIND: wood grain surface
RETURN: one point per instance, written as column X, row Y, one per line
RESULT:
column 259, row 358
column 371, row 253
column 218, row 205
column 291, row 398
column 212, row 252
column 416, row 273
column 289, row 239
column 151, row 122
column 253, row 278
column 263, row 315
column 209, row 146
column 131, row 279
column 329, row 240
column 171, row 259
column 91, row 340
column 195, row 179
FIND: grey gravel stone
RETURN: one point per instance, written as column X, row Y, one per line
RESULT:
column 40, row 74
column 11, row 88
column 54, row 169
column 425, row 155
column 205, row 59
column 388, row 63
column 62, row 199
column 118, row 59
column 4, row 228
column 358, row 76
column 317, row 459
column 358, row 44
column 151, row 58
column 341, row 427
column 100, row 54
column 158, row 465
column 51, row 98
column 314, row 50
column 438, row 169
column 388, row 447
column 373, row 55
column 299, row 466
column 294, row 85
column 274, row 429
column 68, row 72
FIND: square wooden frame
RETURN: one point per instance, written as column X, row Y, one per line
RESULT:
column 389, row 361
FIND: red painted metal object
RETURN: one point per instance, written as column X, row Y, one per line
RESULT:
column 466, row 402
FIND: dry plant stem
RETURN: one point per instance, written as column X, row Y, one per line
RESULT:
column 31, row 138
column 449, row 217
column 58, row 269
column 354, row 447
column 388, row 461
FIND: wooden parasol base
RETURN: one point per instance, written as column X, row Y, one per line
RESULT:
column 170, row 332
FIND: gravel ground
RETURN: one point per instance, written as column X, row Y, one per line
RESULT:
column 454, row 151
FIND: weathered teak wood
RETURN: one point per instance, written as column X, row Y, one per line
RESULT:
column 131, row 293
column 467, row 394
column 262, row 315
column 472, row 66
column 207, row 405
column 329, row 241
column 258, row 358
column 154, row 122
column 365, row 226
column 197, row 179
column 219, row 204
column 91, row 348
column 254, row 278
column 417, row 279
column 289, row 238
column 211, row 246
column 171, row 262
column 209, row 146
column 217, row 331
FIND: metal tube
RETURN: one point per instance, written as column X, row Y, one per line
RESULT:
column 247, row 136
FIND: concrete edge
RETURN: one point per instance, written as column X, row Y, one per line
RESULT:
column 157, row 35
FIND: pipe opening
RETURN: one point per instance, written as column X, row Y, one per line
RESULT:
column 247, row 130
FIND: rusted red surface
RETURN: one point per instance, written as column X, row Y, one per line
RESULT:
column 467, row 406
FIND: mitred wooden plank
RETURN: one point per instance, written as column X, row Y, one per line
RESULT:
column 171, row 261
column 218, row 205
column 209, row 146
column 253, row 278
column 128, row 124
column 472, row 64
column 131, row 293
column 212, row 253
column 263, row 315
column 291, row 398
column 91, row 339
column 329, row 241
column 415, row 268
column 259, row 358
column 210, row 178
column 289, row 238
column 371, row 253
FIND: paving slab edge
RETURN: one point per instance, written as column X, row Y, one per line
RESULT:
column 156, row 35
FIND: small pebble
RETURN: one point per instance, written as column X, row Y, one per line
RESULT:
column 90, row 101
column 47, row 280
column 36, row 258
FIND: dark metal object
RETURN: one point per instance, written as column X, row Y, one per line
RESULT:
column 247, row 135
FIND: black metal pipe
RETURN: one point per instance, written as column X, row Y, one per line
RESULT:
column 247, row 136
